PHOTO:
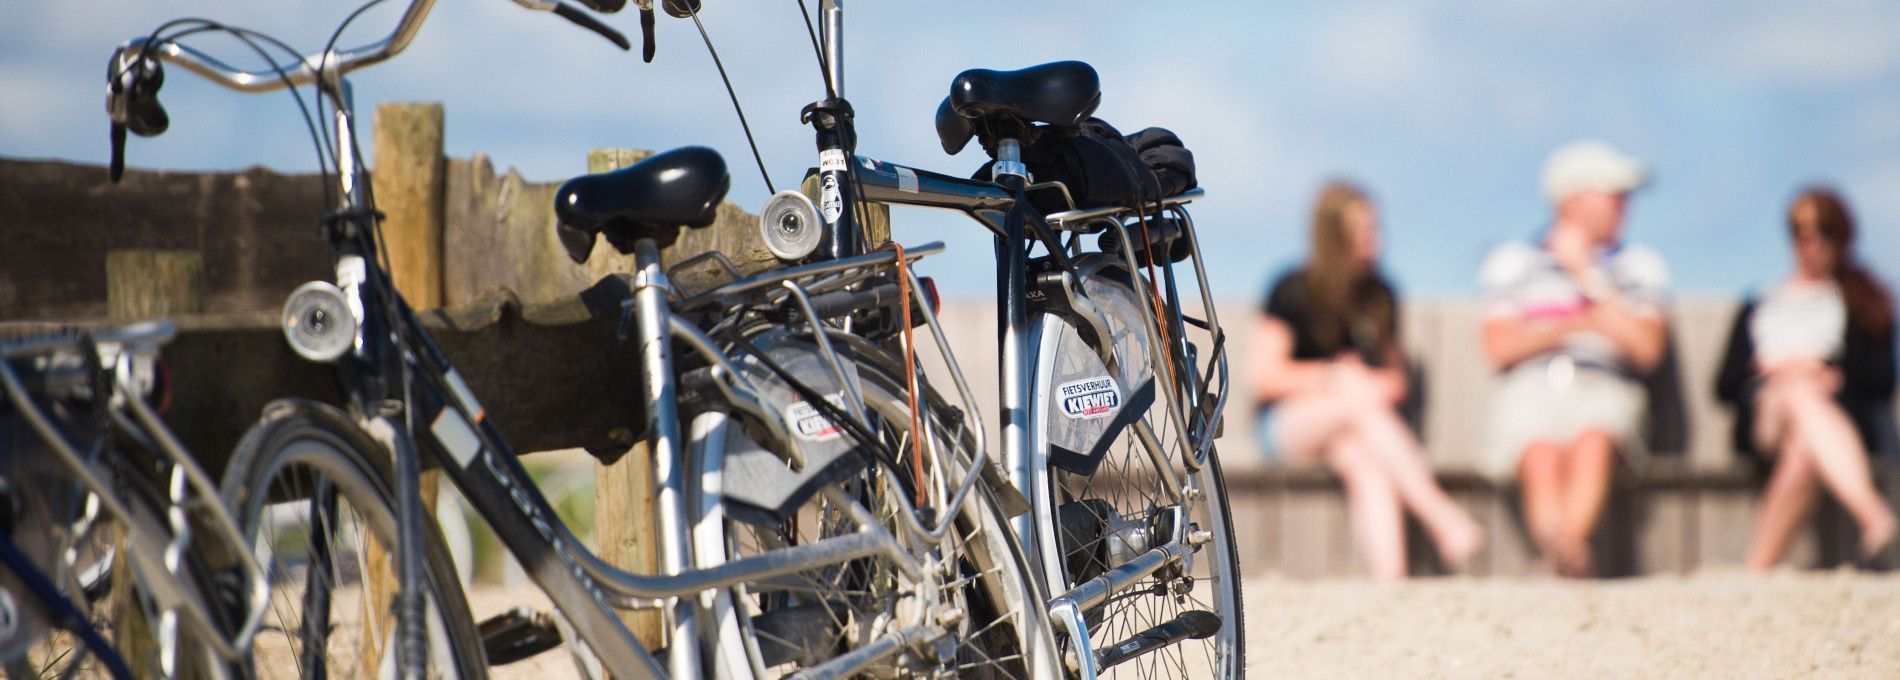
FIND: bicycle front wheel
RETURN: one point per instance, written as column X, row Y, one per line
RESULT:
column 314, row 494
column 1110, row 484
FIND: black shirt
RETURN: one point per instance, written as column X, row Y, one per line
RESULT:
column 1291, row 301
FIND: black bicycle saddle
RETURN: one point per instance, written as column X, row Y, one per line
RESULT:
column 1061, row 93
column 652, row 199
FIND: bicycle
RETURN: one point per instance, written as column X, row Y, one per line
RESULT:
column 1109, row 413
column 117, row 554
column 800, row 542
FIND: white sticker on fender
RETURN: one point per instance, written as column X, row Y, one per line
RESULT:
column 1089, row 398
column 809, row 424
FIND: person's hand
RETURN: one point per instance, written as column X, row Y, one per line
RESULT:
column 1572, row 251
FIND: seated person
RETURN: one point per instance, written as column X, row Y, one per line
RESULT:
column 1573, row 325
column 1810, row 373
column 1328, row 375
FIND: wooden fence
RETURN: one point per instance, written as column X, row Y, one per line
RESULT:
column 510, row 323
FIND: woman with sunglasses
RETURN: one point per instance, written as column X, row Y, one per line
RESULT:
column 1810, row 373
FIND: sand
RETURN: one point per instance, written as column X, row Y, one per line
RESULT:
column 1836, row 624
column 1718, row 625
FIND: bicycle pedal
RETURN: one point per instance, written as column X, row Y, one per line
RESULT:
column 517, row 634
column 1196, row 625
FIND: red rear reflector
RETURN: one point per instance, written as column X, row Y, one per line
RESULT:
column 930, row 293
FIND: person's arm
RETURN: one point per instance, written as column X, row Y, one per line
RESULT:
column 1508, row 340
column 1642, row 337
column 1392, row 378
column 1276, row 374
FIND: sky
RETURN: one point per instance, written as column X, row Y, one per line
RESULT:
column 1443, row 109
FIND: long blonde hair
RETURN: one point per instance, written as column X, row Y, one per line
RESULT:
column 1342, row 292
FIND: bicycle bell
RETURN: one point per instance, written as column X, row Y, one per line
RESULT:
column 317, row 322
column 789, row 225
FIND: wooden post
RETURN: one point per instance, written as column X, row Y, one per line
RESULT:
column 407, row 181
column 146, row 284
column 624, row 531
column 408, row 184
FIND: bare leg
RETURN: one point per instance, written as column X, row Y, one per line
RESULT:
column 1457, row 536
column 1540, row 473
column 1377, row 519
column 1826, row 433
column 1589, row 467
column 1785, row 505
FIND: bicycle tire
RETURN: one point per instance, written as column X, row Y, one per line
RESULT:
column 999, row 622
column 296, row 449
column 1078, row 546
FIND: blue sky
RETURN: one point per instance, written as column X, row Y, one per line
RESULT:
column 1444, row 109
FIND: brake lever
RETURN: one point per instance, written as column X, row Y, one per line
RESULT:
column 132, row 104
column 587, row 21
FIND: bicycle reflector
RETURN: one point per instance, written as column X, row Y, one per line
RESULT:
column 929, row 285
column 317, row 322
column 789, row 225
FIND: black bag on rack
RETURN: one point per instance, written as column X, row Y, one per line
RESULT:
column 1096, row 163
column 1162, row 151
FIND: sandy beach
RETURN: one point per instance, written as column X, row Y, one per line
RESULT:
column 1721, row 624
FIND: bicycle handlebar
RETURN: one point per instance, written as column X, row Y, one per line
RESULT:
column 134, row 76
column 336, row 62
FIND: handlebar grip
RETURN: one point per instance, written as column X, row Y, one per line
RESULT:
column 605, row 6
column 587, row 21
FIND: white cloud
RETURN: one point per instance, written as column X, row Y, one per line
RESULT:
column 1826, row 44
column 1375, row 51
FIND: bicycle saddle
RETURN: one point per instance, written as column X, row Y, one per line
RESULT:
column 1061, row 93
column 649, row 199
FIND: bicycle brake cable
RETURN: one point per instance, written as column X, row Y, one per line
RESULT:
column 734, row 94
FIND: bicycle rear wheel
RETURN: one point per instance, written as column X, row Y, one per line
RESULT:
column 977, row 584
column 314, row 495
column 1088, row 522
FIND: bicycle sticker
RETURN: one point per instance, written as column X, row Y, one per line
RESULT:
column 832, row 160
column 810, row 425
column 1089, row 398
column 906, row 180
column 832, row 202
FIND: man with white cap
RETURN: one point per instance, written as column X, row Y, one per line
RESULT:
column 1573, row 324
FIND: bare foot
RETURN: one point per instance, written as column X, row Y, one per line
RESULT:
column 1573, row 559
column 1459, row 543
column 1874, row 536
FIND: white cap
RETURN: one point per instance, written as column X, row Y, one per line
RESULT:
column 1591, row 166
